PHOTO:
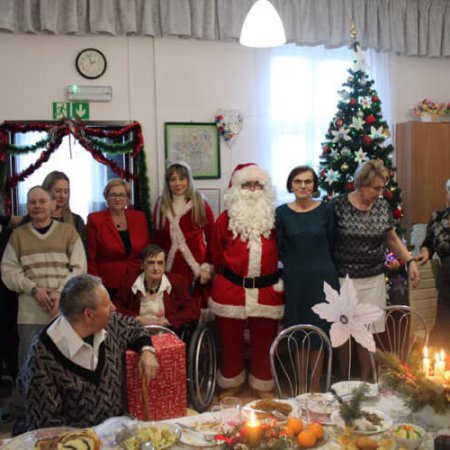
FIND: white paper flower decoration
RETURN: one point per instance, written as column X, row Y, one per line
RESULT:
column 348, row 316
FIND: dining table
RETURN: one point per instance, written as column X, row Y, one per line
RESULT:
column 385, row 401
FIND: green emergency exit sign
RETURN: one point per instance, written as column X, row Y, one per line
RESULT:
column 71, row 110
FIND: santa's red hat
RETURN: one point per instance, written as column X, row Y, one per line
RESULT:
column 248, row 172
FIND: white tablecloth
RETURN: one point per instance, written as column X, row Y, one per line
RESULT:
column 386, row 402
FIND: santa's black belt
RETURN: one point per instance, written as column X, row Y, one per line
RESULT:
column 251, row 282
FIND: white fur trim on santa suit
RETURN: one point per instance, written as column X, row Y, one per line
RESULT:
column 243, row 312
column 250, row 173
column 179, row 242
column 260, row 385
column 226, row 383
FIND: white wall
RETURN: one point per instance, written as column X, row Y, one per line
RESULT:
column 155, row 81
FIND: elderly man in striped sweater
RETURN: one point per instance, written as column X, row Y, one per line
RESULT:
column 39, row 259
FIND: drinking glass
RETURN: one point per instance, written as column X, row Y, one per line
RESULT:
column 231, row 410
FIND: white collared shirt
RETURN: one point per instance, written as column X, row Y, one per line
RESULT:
column 152, row 305
column 72, row 346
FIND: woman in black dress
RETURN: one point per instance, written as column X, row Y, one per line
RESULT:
column 437, row 240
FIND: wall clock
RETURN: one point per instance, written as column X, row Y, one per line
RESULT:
column 91, row 63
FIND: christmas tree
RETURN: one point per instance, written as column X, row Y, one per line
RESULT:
column 357, row 134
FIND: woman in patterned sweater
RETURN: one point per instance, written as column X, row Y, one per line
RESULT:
column 364, row 227
column 437, row 240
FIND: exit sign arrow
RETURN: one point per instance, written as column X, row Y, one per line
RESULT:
column 80, row 110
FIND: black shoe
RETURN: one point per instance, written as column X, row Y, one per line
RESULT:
column 19, row 427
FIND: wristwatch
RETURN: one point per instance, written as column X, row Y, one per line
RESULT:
column 34, row 291
column 147, row 348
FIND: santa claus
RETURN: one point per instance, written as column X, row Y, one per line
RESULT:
column 246, row 291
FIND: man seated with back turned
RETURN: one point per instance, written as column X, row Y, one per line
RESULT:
column 74, row 373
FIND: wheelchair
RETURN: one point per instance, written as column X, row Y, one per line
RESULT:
column 201, row 362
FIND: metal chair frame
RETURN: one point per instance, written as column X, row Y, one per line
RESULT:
column 292, row 371
column 400, row 339
column 201, row 365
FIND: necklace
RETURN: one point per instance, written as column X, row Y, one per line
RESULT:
column 153, row 290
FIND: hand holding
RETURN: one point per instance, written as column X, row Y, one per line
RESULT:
column 424, row 255
column 414, row 273
column 148, row 365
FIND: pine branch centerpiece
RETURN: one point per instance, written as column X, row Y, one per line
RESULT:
column 415, row 385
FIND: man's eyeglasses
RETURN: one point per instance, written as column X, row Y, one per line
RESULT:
column 117, row 196
column 297, row 182
column 252, row 185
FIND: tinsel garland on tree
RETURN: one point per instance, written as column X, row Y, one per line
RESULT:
column 97, row 141
column 357, row 134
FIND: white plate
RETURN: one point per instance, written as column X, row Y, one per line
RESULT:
column 27, row 440
column 386, row 421
column 344, row 388
column 320, row 406
column 291, row 402
column 206, row 424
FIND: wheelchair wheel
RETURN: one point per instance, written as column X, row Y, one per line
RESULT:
column 202, row 368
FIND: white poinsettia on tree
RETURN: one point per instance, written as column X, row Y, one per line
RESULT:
column 348, row 316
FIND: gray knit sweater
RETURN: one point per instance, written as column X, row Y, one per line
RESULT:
column 59, row 392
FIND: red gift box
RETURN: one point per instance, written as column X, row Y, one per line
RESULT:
column 167, row 392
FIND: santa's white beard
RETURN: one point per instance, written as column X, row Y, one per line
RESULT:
column 251, row 213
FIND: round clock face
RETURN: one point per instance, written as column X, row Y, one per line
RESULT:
column 91, row 63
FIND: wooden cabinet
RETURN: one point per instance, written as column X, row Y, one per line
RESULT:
column 423, row 167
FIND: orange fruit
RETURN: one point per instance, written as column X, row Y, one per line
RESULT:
column 317, row 428
column 290, row 431
column 307, row 438
column 295, row 423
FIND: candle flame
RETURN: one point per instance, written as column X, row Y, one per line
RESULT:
column 252, row 422
column 425, row 352
column 436, row 357
column 442, row 355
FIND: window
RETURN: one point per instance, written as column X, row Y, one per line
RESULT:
column 87, row 176
column 301, row 86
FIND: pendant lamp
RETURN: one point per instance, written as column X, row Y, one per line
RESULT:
column 262, row 27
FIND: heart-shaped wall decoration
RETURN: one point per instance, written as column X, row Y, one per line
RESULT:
column 229, row 123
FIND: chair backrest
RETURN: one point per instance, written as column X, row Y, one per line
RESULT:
column 158, row 329
column 294, row 359
column 404, row 329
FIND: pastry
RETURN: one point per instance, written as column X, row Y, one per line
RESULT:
column 85, row 439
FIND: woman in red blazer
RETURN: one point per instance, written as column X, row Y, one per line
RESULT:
column 116, row 237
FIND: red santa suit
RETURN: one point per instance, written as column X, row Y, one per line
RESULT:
column 186, row 244
column 245, row 293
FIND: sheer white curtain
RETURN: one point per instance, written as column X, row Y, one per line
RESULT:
column 87, row 176
column 300, row 98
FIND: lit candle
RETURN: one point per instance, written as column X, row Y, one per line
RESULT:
column 252, row 431
column 443, row 359
column 439, row 366
column 426, row 362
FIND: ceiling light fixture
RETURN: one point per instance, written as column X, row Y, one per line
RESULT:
column 262, row 27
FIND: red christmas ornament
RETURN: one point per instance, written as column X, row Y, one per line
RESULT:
column 397, row 214
column 388, row 194
column 326, row 149
column 353, row 101
column 349, row 186
column 366, row 140
column 375, row 98
column 339, row 123
column 370, row 119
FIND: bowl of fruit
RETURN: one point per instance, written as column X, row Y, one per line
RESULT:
column 408, row 435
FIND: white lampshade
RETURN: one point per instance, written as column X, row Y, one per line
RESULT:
column 262, row 27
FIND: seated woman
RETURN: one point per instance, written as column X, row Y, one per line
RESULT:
column 437, row 240
column 156, row 297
